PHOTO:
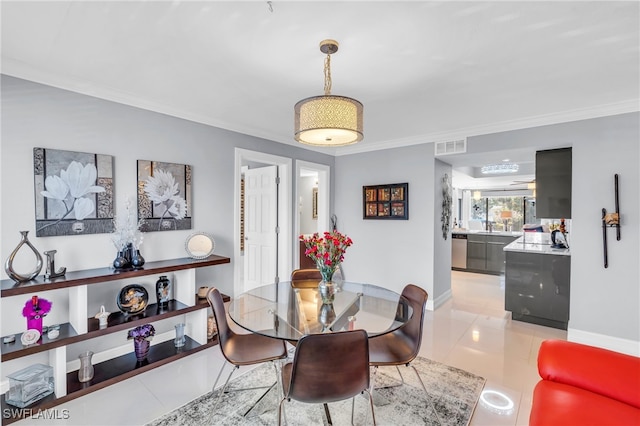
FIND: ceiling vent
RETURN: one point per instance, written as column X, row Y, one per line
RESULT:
column 451, row 147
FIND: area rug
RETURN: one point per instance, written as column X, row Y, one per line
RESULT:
column 452, row 397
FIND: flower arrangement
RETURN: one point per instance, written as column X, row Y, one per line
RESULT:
column 141, row 332
column 326, row 251
column 127, row 229
column 36, row 308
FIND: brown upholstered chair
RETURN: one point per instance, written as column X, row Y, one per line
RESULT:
column 328, row 367
column 305, row 278
column 401, row 346
column 241, row 349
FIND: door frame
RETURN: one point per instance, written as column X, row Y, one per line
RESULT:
column 284, row 212
column 324, row 205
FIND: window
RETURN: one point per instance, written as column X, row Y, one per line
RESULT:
column 502, row 213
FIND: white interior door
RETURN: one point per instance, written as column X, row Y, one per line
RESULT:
column 261, row 221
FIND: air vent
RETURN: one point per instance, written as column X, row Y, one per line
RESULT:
column 451, row 147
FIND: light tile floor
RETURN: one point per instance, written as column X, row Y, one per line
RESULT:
column 471, row 331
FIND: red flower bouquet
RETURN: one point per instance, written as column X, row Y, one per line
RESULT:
column 326, row 251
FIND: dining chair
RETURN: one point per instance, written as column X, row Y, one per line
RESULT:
column 242, row 349
column 326, row 368
column 401, row 347
column 305, row 278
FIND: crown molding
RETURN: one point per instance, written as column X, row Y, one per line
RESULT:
column 19, row 70
column 616, row 108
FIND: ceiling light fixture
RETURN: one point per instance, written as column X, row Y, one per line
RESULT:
column 499, row 168
column 328, row 120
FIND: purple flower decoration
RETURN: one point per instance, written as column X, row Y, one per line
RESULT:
column 36, row 307
column 142, row 332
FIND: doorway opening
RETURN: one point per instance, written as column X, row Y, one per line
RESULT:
column 281, row 232
column 313, row 195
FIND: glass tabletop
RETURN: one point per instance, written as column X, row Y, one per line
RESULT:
column 289, row 310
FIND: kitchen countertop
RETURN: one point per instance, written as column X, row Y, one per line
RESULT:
column 501, row 233
column 536, row 242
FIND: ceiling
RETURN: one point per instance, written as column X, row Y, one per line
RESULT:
column 425, row 71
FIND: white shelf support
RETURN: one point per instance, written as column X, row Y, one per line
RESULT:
column 58, row 360
column 78, row 308
column 184, row 286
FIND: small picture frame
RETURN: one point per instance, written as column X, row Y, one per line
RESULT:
column 386, row 201
column 314, row 198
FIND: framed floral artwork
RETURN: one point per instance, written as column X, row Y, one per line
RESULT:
column 73, row 192
column 385, row 201
column 164, row 196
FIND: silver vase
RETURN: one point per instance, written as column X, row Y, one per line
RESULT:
column 8, row 265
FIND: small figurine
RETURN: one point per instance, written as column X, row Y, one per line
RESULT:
column 102, row 317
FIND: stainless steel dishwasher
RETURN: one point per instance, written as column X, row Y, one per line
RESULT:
column 459, row 251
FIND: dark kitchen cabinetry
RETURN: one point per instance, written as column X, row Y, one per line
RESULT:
column 485, row 253
column 537, row 288
column 476, row 252
column 553, row 183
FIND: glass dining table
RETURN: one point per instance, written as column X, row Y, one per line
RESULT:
column 289, row 310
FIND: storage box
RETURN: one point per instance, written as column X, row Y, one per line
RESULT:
column 30, row 385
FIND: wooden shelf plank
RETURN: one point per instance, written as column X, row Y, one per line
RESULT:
column 100, row 275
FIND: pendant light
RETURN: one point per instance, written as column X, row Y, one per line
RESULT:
column 328, row 120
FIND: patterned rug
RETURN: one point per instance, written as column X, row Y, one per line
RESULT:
column 453, row 394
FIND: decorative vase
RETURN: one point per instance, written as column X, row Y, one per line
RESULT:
column 141, row 348
column 180, row 339
column 34, row 323
column 137, row 260
column 121, row 261
column 8, row 266
column 163, row 291
column 327, row 290
column 326, row 316
column 85, row 373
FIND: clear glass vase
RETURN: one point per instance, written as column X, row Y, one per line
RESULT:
column 180, row 339
column 327, row 291
column 85, row 373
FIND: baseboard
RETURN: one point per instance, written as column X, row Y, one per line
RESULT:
column 617, row 344
column 433, row 304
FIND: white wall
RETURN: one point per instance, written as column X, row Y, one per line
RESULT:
column 441, row 247
column 389, row 253
column 308, row 225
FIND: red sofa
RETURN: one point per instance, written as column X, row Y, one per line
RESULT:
column 584, row 385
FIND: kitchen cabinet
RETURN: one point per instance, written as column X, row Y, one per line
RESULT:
column 485, row 252
column 537, row 288
column 80, row 289
column 476, row 252
column 553, row 183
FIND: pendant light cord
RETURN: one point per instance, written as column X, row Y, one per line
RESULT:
column 327, row 75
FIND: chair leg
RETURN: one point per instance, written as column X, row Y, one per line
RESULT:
column 424, row 388
column 327, row 413
column 280, row 407
column 373, row 413
column 215, row 404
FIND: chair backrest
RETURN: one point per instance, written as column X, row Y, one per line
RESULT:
column 306, row 274
column 412, row 330
column 305, row 278
column 217, row 306
column 330, row 367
